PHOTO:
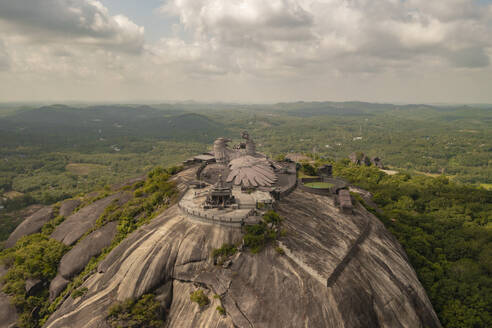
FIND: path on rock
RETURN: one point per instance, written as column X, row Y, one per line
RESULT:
column 350, row 254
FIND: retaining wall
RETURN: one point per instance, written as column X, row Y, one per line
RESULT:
column 278, row 195
column 216, row 219
column 351, row 253
column 200, row 169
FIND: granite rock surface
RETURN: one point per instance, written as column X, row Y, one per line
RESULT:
column 338, row 270
column 77, row 224
column 30, row 225
column 68, row 206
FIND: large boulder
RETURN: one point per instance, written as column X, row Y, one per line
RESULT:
column 30, row 225
column 337, row 271
column 76, row 259
column 57, row 285
column 68, row 206
column 77, row 224
column 33, row 285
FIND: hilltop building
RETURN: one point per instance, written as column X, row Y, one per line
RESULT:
column 234, row 185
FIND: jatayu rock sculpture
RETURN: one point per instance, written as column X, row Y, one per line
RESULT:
column 337, row 270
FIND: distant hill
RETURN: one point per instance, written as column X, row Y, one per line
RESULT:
column 67, row 126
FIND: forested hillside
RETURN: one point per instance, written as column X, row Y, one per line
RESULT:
column 438, row 206
column 446, row 230
column 53, row 152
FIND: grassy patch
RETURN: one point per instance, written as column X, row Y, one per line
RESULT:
column 199, row 297
column 79, row 292
column 12, row 194
column 487, row 186
column 259, row 235
column 221, row 254
column 319, row 185
column 144, row 312
column 280, row 250
column 221, row 310
column 33, row 257
column 84, row 168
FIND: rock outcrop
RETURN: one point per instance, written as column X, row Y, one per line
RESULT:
column 30, row 225
column 362, row 159
column 77, row 224
column 57, row 286
column 337, row 271
column 68, row 206
column 77, row 258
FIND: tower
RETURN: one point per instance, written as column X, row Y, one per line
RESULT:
column 220, row 150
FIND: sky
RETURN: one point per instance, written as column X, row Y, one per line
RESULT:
column 248, row 51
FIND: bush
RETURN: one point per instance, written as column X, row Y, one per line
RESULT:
column 221, row 310
column 145, row 312
column 79, row 292
column 33, row 257
column 259, row 235
column 220, row 254
column 280, row 250
column 308, row 169
column 199, row 297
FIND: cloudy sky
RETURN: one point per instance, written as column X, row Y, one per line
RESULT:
column 246, row 50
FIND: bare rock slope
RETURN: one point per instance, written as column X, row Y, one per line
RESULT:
column 30, row 225
column 337, row 271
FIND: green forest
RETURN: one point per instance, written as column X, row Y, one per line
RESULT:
column 446, row 230
column 438, row 205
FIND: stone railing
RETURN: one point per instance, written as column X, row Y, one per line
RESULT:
column 223, row 220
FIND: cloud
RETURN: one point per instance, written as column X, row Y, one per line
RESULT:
column 4, row 57
column 296, row 36
column 79, row 22
column 470, row 58
column 248, row 50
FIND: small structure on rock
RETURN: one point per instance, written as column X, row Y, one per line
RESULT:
column 221, row 151
column 344, row 200
column 220, row 195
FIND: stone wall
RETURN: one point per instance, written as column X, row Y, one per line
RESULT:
column 200, row 169
column 215, row 219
